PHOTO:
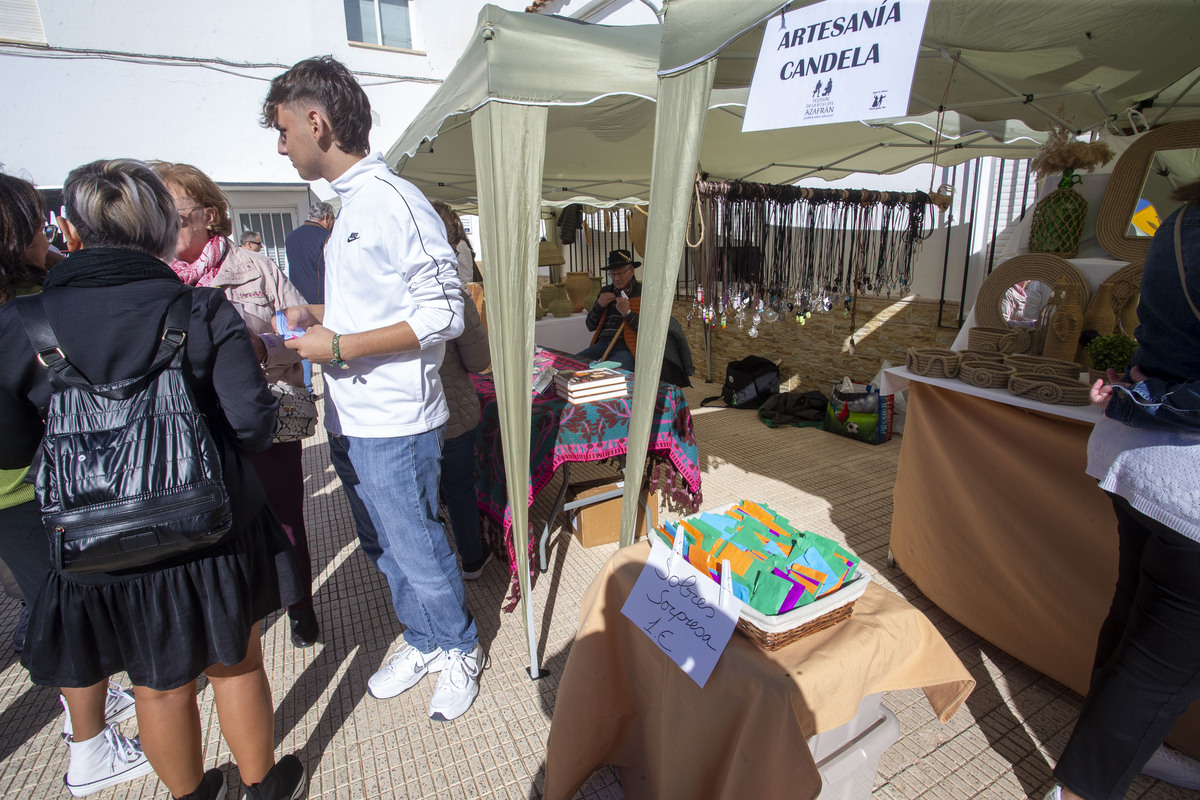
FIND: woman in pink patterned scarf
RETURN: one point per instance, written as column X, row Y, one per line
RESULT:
column 205, row 256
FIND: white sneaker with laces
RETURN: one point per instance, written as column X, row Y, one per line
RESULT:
column 103, row 761
column 1173, row 767
column 1055, row 793
column 458, row 686
column 403, row 670
column 118, row 706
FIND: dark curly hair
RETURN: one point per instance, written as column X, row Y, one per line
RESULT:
column 22, row 215
column 324, row 82
column 1188, row 193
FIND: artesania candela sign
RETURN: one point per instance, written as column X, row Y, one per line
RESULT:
column 835, row 61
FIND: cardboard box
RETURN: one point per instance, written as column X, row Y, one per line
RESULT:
column 600, row 522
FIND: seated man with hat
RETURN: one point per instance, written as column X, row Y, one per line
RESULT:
column 614, row 316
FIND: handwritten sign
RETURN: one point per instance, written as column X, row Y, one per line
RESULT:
column 684, row 612
column 835, row 61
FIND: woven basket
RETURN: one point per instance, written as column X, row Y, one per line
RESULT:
column 933, row 362
column 998, row 340
column 982, row 357
column 774, row 641
column 986, row 376
column 1050, row 389
column 1040, row 365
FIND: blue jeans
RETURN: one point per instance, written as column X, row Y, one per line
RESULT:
column 1157, row 404
column 306, row 365
column 392, row 486
column 620, row 352
column 458, row 490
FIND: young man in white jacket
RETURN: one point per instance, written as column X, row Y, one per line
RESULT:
column 392, row 298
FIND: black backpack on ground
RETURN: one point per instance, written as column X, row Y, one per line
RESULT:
column 128, row 473
column 748, row 383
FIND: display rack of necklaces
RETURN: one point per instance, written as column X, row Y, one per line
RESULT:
column 782, row 253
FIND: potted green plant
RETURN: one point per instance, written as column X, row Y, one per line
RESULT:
column 1113, row 351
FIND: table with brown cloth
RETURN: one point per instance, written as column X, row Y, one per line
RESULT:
column 621, row 701
column 997, row 523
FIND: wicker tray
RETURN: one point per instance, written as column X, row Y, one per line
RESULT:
column 998, row 340
column 1040, row 365
column 933, row 362
column 1050, row 389
column 986, row 376
column 773, row 632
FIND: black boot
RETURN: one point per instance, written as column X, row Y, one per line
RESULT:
column 212, row 787
column 285, row 781
column 305, row 628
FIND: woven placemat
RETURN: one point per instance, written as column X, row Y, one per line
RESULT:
column 1044, row 267
column 1050, row 389
column 933, row 362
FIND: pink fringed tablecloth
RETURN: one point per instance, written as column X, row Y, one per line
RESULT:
column 562, row 432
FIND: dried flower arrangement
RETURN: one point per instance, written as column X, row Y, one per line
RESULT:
column 1063, row 152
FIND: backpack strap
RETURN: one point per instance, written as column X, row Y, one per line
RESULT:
column 707, row 400
column 63, row 373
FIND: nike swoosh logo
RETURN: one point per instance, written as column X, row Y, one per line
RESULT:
column 352, row 237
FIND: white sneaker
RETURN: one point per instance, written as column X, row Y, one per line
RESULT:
column 458, row 686
column 104, row 761
column 1173, row 767
column 118, row 706
column 1055, row 793
column 403, row 670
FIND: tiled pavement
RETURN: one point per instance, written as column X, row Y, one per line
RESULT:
column 1000, row 745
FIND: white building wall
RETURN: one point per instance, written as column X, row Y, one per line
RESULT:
column 73, row 103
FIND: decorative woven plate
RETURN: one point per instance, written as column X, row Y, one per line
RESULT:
column 933, row 362
column 1040, row 365
column 1050, row 389
column 1044, row 267
column 986, row 376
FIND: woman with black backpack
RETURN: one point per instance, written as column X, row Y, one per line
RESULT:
column 163, row 620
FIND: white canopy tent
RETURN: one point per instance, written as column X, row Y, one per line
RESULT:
column 558, row 111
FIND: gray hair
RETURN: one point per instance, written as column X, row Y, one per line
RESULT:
column 250, row 236
column 320, row 210
column 121, row 203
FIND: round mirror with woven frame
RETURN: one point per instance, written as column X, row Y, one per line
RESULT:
column 1044, row 267
column 1125, row 188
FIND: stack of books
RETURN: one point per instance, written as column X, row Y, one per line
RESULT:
column 584, row 386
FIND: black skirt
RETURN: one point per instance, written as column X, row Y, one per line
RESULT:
column 163, row 626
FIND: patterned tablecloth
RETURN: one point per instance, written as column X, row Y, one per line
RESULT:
column 561, row 432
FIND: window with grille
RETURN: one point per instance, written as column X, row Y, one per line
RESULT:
column 273, row 226
column 380, row 22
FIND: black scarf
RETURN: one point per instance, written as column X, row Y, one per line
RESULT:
column 94, row 267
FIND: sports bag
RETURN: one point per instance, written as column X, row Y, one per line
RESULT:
column 860, row 412
column 128, row 473
column 748, row 383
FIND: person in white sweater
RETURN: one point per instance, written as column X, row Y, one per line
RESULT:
column 392, row 298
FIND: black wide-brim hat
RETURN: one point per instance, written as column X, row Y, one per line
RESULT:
column 620, row 258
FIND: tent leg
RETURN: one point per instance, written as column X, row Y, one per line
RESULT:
column 535, row 670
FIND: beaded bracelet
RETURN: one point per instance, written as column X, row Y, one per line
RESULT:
column 337, row 361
